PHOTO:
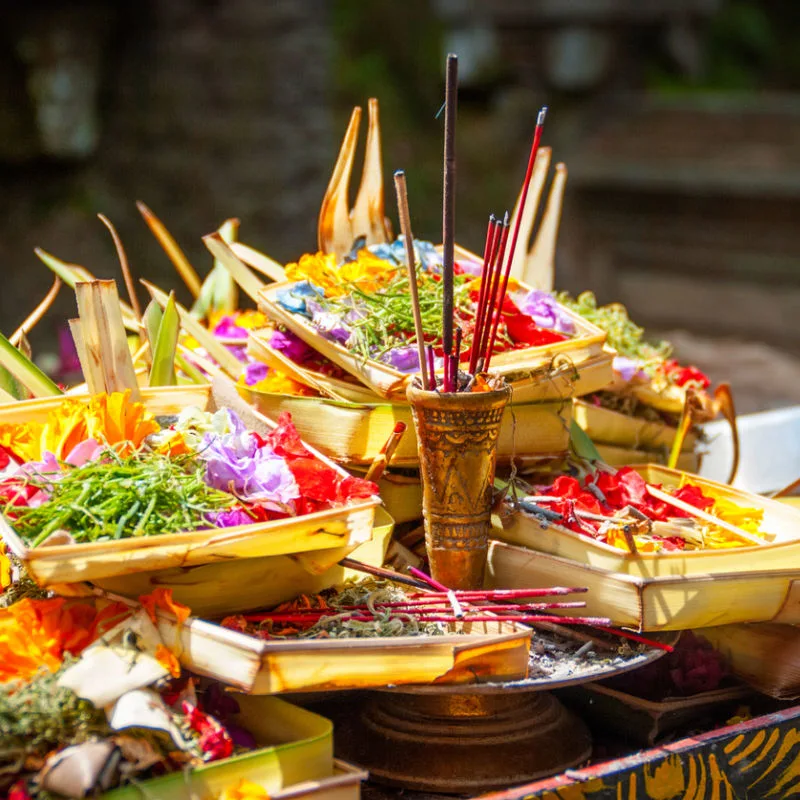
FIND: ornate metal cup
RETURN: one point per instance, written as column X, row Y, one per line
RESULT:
column 457, row 435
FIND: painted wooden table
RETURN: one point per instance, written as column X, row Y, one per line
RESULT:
column 759, row 758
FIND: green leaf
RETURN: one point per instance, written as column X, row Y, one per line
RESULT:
column 227, row 361
column 219, row 292
column 25, row 371
column 162, row 372
column 10, row 388
column 581, row 444
column 151, row 320
column 190, row 370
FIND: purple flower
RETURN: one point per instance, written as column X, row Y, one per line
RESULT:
column 254, row 372
column 405, row 359
column 235, row 463
column 545, row 311
column 470, row 267
column 292, row 346
column 227, row 328
column 331, row 325
column 230, row 519
column 628, row 368
column 239, row 352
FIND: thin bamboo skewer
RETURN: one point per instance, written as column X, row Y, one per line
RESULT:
column 124, row 266
column 33, row 318
column 411, row 259
column 449, row 204
column 676, row 502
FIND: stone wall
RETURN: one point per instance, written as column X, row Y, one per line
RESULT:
column 207, row 110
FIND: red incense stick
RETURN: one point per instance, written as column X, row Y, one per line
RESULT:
column 497, row 268
column 431, row 369
column 411, row 608
column 537, row 135
column 299, row 619
column 497, row 594
column 491, row 237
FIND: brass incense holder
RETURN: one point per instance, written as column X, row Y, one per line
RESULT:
column 457, row 435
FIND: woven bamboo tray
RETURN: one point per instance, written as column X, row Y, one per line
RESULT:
column 231, row 587
column 297, row 748
column 559, row 380
column 324, row 530
column 667, row 602
column 391, row 383
column 488, row 652
column 353, row 433
column 779, row 519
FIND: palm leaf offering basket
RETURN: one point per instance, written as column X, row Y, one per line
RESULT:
column 779, row 519
column 353, row 433
column 664, row 603
column 480, row 652
column 667, row 590
column 296, row 749
column 347, row 526
column 526, row 370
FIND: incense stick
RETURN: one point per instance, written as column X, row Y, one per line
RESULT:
column 497, row 268
column 380, row 572
column 449, row 201
column 431, row 368
column 405, row 226
column 537, row 135
column 491, row 235
column 440, row 587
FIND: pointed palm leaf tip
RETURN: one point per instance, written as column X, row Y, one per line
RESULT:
column 178, row 258
column 334, row 232
column 368, row 217
column 162, row 372
column 219, row 293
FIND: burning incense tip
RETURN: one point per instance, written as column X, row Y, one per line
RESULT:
column 542, row 115
column 399, row 173
column 400, row 427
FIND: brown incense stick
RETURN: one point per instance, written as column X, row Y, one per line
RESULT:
column 411, row 260
column 449, row 204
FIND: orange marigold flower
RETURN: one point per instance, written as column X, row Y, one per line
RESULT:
column 161, row 599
